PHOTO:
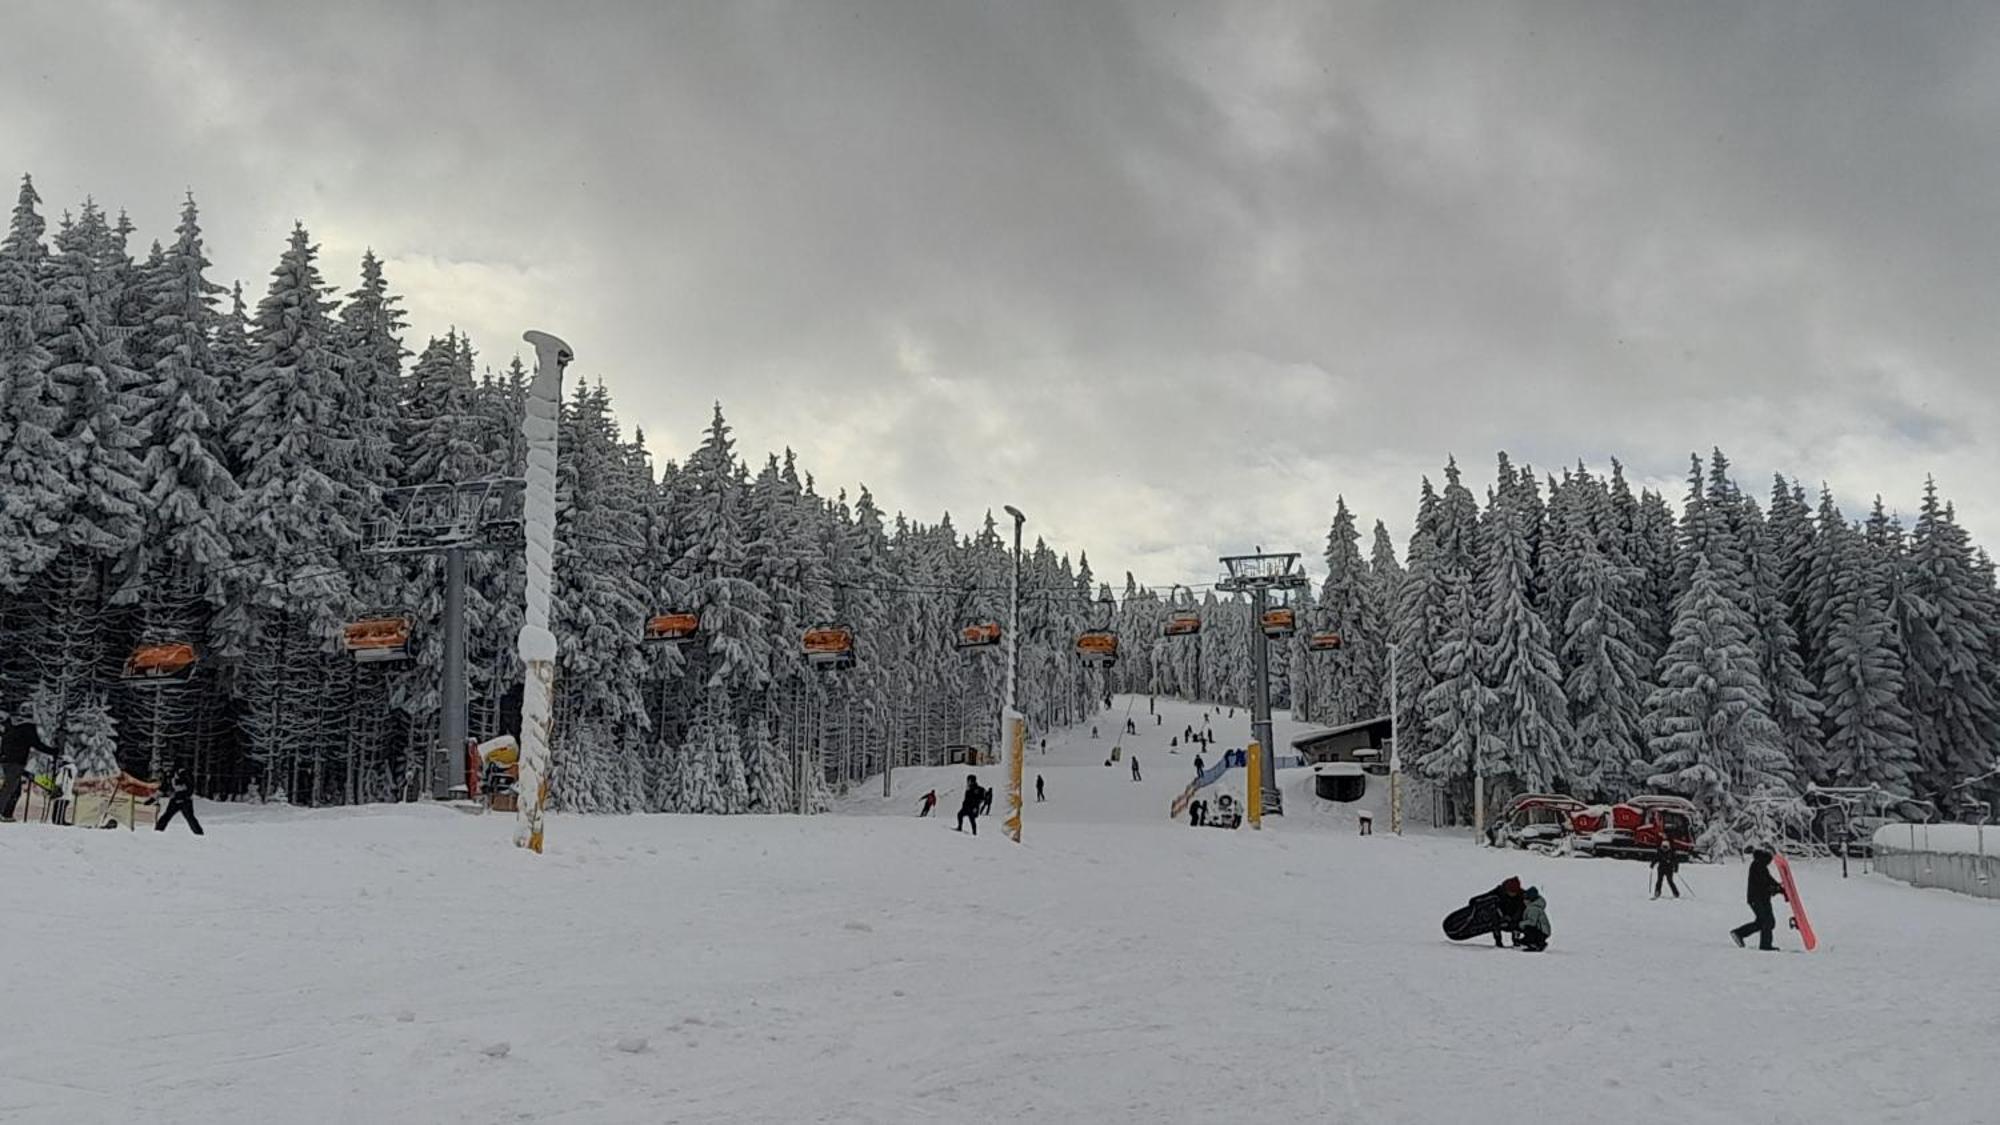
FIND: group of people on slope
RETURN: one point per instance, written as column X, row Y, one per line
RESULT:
column 22, row 740
column 1516, row 911
column 1523, row 912
column 977, row 802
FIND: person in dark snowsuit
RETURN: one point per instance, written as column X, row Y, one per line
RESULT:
column 968, row 809
column 930, row 802
column 1508, row 899
column 985, row 801
column 180, row 802
column 1039, row 795
column 1666, row 861
column 1763, row 886
column 1197, row 765
column 1135, row 767
column 16, row 746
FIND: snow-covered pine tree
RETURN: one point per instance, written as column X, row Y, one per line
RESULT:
column 1794, row 703
column 1528, row 717
column 1952, row 708
column 1351, row 675
column 1869, row 740
column 1423, row 598
column 32, row 475
column 1709, row 724
column 1603, row 652
column 1457, row 707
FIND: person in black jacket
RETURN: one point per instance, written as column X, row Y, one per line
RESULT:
column 985, row 801
column 16, row 746
column 1508, row 899
column 1762, row 887
column 1666, row 861
column 180, row 802
column 968, row 809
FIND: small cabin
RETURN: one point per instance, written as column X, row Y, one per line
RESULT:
column 1365, row 743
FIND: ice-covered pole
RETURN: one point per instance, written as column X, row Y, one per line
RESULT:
column 538, row 644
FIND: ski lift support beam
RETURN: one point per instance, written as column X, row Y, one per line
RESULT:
column 450, row 519
column 1259, row 575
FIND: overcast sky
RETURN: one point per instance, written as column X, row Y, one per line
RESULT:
column 1169, row 279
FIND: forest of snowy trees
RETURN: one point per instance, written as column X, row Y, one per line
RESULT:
column 1569, row 635
column 174, row 465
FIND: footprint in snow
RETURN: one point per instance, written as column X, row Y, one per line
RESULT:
column 858, row 927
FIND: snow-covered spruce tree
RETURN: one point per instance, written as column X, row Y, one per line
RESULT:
column 1352, row 674
column 768, row 774
column 735, row 657
column 1529, row 723
column 1953, row 710
column 1869, row 740
column 1795, row 706
column 1709, row 724
column 32, row 473
column 90, row 737
column 1422, row 598
column 1606, row 682
column 1457, row 708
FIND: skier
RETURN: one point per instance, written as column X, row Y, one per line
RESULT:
column 930, row 802
column 1197, row 765
column 968, row 809
column 1093, row 731
column 1131, row 727
column 21, row 741
column 1039, row 795
column 1666, row 861
column 1535, row 928
column 1762, row 886
column 1045, row 745
column 985, row 801
column 180, row 802
column 1135, row 767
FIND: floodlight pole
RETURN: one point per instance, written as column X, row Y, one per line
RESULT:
column 537, row 643
column 1395, row 749
column 1014, row 613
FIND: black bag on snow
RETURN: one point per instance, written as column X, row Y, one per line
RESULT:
column 1477, row 917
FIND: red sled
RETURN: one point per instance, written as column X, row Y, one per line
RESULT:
column 1791, row 886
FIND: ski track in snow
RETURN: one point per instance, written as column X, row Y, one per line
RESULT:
column 870, row 966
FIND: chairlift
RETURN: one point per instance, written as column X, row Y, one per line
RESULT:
column 672, row 628
column 829, row 648
column 160, row 664
column 1324, row 640
column 377, row 640
column 979, row 634
column 1280, row 622
column 1183, row 619
column 1098, row 648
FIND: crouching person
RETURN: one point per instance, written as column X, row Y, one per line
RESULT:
column 1535, row 929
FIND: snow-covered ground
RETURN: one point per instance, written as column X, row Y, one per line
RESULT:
column 408, row 964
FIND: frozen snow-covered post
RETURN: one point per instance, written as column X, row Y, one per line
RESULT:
column 1013, row 725
column 538, row 644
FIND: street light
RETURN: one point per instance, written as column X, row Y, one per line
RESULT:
column 1013, row 726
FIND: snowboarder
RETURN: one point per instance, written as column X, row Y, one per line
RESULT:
column 1131, row 727
column 968, row 809
column 16, row 746
column 1666, row 861
column 1197, row 765
column 180, row 802
column 1762, row 887
column 1135, row 767
column 1039, row 795
column 930, row 802
column 1535, row 928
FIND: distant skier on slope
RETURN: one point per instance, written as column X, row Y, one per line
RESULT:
column 180, row 802
column 1197, row 765
column 1135, row 767
column 1762, row 887
column 1039, row 795
column 929, row 803
column 968, row 809
column 1535, row 928
column 1666, row 861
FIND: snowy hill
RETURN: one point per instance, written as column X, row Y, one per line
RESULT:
column 406, row 963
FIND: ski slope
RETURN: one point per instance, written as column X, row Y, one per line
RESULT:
column 409, row 964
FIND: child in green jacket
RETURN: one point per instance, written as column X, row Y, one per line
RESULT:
column 1535, row 928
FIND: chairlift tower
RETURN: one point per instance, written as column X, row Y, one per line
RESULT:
column 449, row 520
column 1259, row 575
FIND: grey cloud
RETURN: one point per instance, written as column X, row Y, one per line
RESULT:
column 1167, row 279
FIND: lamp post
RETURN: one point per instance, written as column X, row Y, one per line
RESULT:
column 1014, row 612
column 537, row 643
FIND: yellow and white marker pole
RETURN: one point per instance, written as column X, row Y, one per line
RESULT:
column 1017, row 751
column 1253, row 784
